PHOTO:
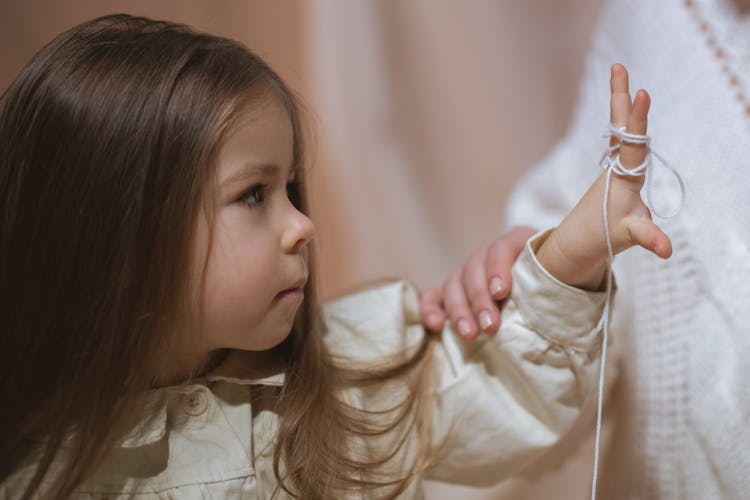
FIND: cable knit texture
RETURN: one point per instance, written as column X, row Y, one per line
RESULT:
column 682, row 402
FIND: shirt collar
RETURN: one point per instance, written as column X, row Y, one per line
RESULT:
column 249, row 368
column 239, row 367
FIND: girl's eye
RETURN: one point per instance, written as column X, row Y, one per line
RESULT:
column 254, row 196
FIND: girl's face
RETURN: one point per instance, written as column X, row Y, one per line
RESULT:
column 258, row 262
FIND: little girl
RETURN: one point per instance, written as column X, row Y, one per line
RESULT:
column 158, row 309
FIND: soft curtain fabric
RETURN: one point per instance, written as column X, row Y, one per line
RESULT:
column 428, row 112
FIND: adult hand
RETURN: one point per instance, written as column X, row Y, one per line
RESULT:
column 471, row 296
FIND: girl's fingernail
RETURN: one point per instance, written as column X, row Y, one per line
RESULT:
column 485, row 320
column 496, row 285
column 464, row 328
column 433, row 319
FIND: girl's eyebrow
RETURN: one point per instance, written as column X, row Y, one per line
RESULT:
column 249, row 171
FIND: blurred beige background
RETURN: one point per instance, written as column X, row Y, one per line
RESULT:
column 425, row 113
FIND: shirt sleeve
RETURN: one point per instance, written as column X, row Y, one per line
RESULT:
column 504, row 400
column 499, row 401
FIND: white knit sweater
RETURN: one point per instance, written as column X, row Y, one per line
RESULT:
column 682, row 404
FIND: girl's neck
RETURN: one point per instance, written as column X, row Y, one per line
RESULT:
column 180, row 372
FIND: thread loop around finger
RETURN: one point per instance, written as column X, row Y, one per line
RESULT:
column 613, row 162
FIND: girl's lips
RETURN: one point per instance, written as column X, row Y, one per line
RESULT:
column 295, row 292
column 290, row 295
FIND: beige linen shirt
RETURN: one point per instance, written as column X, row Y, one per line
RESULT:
column 495, row 404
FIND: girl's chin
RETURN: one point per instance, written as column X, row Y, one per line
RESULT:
column 269, row 341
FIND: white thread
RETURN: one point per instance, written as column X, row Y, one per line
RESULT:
column 613, row 164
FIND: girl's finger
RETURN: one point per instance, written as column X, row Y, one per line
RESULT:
column 457, row 307
column 431, row 309
column 631, row 155
column 643, row 232
column 620, row 101
column 619, row 104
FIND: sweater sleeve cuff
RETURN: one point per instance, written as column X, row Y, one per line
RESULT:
column 557, row 311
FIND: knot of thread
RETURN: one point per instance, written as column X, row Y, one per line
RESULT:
column 612, row 164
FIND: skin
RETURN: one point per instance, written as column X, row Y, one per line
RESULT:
column 575, row 252
column 256, row 246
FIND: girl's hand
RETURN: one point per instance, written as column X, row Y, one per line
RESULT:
column 469, row 297
column 576, row 251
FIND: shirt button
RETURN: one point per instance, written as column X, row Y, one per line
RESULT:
column 195, row 403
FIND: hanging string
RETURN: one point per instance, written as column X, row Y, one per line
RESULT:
column 612, row 164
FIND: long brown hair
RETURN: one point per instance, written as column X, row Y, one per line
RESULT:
column 107, row 143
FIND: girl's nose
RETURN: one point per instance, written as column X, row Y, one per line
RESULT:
column 299, row 231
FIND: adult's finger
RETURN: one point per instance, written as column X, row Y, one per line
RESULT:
column 431, row 309
column 474, row 282
column 501, row 254
column 457, row 307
